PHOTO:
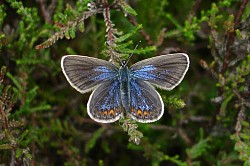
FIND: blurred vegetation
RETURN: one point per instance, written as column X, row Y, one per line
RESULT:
column 43, row 121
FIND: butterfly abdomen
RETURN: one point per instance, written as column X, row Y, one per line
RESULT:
column 124, row 87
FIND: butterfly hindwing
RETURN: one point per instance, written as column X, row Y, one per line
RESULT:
column 165, row 71
column 104, row 104
column 146, row 104
column 85, row 73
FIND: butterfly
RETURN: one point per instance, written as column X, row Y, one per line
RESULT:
column 123, row 90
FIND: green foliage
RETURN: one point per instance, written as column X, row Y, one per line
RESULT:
column 174, row 103
column 68, row 22
column 198, row 149
column 91, row 143
column 242, row 144
column 125, row 37
column 153, row 152
column 2, row 14
column 71, row 19
column 43, row 121
column 29, row 15
column 127, row 8
column 233, row 80
column 232, row 73
column 13, row 138
column 130, row 126
column 192, row 25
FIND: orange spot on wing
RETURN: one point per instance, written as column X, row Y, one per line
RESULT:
column 145, row 113
column 105, row 112
column 139, row 112
column 111, row 112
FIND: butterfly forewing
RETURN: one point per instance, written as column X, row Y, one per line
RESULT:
column 146, row 103
column 165, row 71
column 85, row 73
column 104, row 104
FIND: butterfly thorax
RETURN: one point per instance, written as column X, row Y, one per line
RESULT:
column 124, row 78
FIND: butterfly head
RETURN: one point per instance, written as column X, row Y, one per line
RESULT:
column 124, row 63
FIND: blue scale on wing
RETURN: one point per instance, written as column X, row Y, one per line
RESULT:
column 137, row 98
column 151, row 73
column 104, row 103
column 111, row 100
column 144, row 73
column 106, row 74
column 165, row 71
column 146, row 103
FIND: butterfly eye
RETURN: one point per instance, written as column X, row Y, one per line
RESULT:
column 124, row 62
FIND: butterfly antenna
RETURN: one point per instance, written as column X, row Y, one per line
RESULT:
column 132, row 52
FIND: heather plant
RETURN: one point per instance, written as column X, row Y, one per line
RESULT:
column 43, row 121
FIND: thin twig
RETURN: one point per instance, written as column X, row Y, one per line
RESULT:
column 162, row 127
column 4, row 117
column 194, row 10
column 199, row 118
column 45, row 13
column 180, row 131
column 109, row 25
column 241, row 114
column 184, row 136
column 239, row 14
column 52, row 7
column 109, row 30
column 13, row 157
column 143, row 32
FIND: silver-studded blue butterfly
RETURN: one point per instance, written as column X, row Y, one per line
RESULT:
column 130, row 89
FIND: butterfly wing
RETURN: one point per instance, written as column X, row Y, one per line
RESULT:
column 104, row 104
column 85, row 73
column 146, row 103
column 165, row 71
